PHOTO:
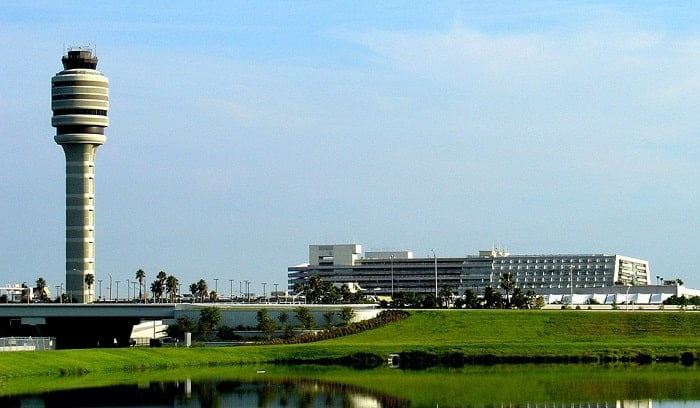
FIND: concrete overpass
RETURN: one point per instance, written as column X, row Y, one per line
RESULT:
column 79, row 325
column 110, row 324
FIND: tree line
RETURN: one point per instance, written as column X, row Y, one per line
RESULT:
column 319, row 291
column 208, row 327
column 491, row 298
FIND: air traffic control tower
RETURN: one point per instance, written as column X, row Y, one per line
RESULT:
column 79, row 101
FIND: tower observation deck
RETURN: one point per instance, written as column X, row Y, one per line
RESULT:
column 79, row 101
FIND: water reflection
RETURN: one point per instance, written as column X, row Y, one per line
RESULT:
column 570, row 386
column 300, row 393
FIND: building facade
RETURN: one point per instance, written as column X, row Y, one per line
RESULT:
column 385, row 273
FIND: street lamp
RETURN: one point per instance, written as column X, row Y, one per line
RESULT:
column 117, row 282
column 110, row 286
column 277, row 294
column 128, row 294
column 99, row 281
column 133, row 286
column 231, row 282
column 216, row 285
column 264, row 292
column 247, row 289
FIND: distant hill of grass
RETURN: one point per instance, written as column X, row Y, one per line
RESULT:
column 472, row 333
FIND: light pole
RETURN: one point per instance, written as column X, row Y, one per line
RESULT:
column 59, row 294
column 128, row 294
column 264, row 292
column 110, row 286
column 117, row 297
column 277, row 294
column 133, row 286
column 231, row 282
column 247, row 289
column 240, row 289
column 99, row 281
column 216, row 285
column 436, row 276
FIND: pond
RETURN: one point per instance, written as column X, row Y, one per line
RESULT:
column 657, row 385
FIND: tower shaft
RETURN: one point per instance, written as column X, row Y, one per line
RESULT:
column 80, row 218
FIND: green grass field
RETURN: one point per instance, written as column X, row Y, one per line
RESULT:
column 508, row 332
column 474, row 333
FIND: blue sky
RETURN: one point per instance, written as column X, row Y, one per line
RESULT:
column 242, row 133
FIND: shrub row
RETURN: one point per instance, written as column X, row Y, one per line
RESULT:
column 383, row 318
column 420, row 360
column 417, row 360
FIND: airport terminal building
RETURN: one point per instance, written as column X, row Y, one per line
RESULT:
column 384, row 273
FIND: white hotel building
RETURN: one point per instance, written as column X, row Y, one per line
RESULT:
column 384, row 273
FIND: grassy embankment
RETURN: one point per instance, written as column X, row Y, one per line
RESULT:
column 472, row 333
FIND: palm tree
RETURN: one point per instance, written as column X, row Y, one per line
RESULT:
column 158, row 285
column 202, row 289
column 89, row 281
column 193, row 290
column 171, row 284
column 40, row 287
column 507, row 284
column 141, row 276
column 157, row 289
column 162, row 277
